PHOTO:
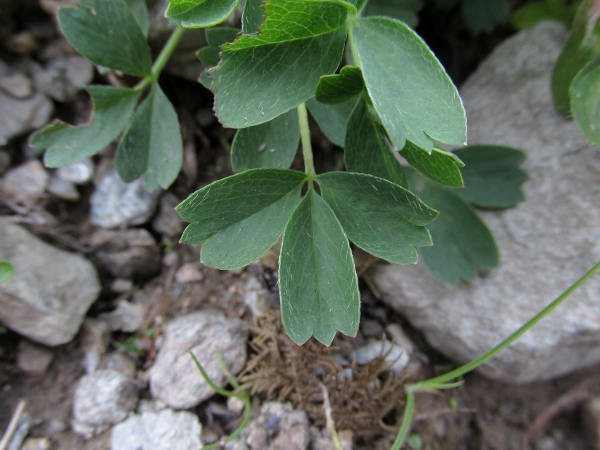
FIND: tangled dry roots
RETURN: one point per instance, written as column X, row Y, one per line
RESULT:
column 279, row 367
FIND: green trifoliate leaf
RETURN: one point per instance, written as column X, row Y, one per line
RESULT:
column 152, row 144
column 106, row 33
column 379, row 216
column 317, row 278
column 438, row 165
column 410, row 90
column 581, row 47
column 200, row 13
column 253, row 16
column 6, row 271
column 272, row 144
column 332, row 119
column 263, row 76
column 530, row 14
column 368, row 150
column 484, row 15
column 462, row 243
column 492, row 176
column 404, row 10
column 341, row 87
column 67, row 145
column 211, row 54
column 585, row 100
column 242, row 216
column 139, row 9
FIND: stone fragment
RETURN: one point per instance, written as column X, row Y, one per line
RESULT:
column 174, row 378
column 118, row 362
column 22, row 43
column 117, row 204
column 546, row 242
column 25, row 184
column 20, row 115
column 256, row 297
column 63, row 189
column 279, row 427
column 81, row 172
column 164, row 430
column 64, row 76
column 102, row 398
column 50, row 293
column 128, row 317
column 94, row 339
column 42, row 443
column 127, row 253
column 396, row 357
column 188, row 273
column 17, row 85
column 33, row 359
column 167, row 221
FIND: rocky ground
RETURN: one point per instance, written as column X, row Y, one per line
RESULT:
column 106, row 304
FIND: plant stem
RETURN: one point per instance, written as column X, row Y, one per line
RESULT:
column 309, row 165
column 162, row 59
column 406, row 421
column 512, row 338
column 352, row 43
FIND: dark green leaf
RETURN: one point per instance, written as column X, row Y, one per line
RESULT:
column 404, row 10
column 218, row 36
column 209, row 55
column 106, row 33
column 272, row 144
column 530, row 14
column 368, row 150
column 581, row 47
column 462, row 243
column 240, row 217
column 263, row 76
column 67, row 145
column 585, row 100
column 152, row 144
column 379, row 216
column 482, row 16
column 332, row 119
column 410, row 90
column 140, row 14
column 253, row 16
column 200, row 13
column 438, row 165
column 492, row 176
column 6, row 271
column 318, row 283
column 341, row 87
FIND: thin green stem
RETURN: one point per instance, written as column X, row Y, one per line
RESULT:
column 162, row 59
column 352, row 42
column 309, row 165
column 406, row 421
column 512, row 338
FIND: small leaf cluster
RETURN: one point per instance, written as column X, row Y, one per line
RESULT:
column 392, row 102
column 576, row 76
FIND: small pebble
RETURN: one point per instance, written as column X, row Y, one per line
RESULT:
column 17, row 85
column 81, row 172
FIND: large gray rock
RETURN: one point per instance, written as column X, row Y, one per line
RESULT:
column 51, row 290
column 174, row 378
column 164, row 430
column 546, row 242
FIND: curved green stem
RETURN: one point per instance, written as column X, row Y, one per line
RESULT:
column 309, row 165
column 442, row 382
column 406, row 421
column 352, row 43
column 509, row 340
column 162, row 59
